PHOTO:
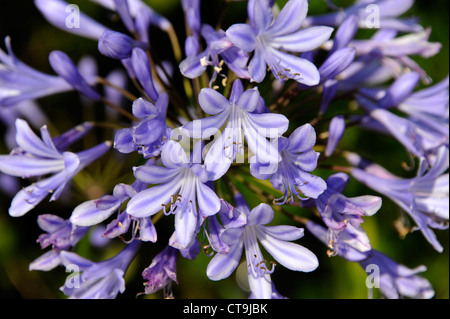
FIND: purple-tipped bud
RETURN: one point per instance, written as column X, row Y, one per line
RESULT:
column 336, row 63
column 335, row 132
column 117, row 45
column 141, row 67
column 64, row 66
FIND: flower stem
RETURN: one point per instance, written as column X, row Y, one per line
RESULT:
column 125, row 93
column 118, row 109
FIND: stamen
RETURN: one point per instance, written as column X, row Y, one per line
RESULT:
column 204, row 62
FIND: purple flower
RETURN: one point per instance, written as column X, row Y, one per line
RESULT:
column 269, row 37
column 339, row 58
column 162, row 270
column 292, row 173
column 149, row 135
column 181, row 191
column 275, row 239
column 96, row 211
column 56, row 12
column 424, row 197
column 101, row 280
column 61, row 235
column 343, row 248
column 240, row 120
column 336, row 63
column 19, row 82
column 218, row 46
column 227, row 217
column 344, row 216
column 39, row 157
column 429, row 106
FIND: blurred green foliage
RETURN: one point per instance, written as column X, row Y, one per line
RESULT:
column 33, row 39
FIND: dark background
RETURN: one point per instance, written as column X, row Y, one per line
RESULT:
column 33, row 39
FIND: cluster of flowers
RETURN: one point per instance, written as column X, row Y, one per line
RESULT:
column 192, row 144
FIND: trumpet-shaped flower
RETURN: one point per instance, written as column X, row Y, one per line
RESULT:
column 292, row 174
column 181, row 191
column 344, row 215
column 240, row 120
column 271, row 37
column 275, row 239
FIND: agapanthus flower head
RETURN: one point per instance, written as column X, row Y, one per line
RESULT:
column 275, row 239
column 269, row 38
column 200, row 126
